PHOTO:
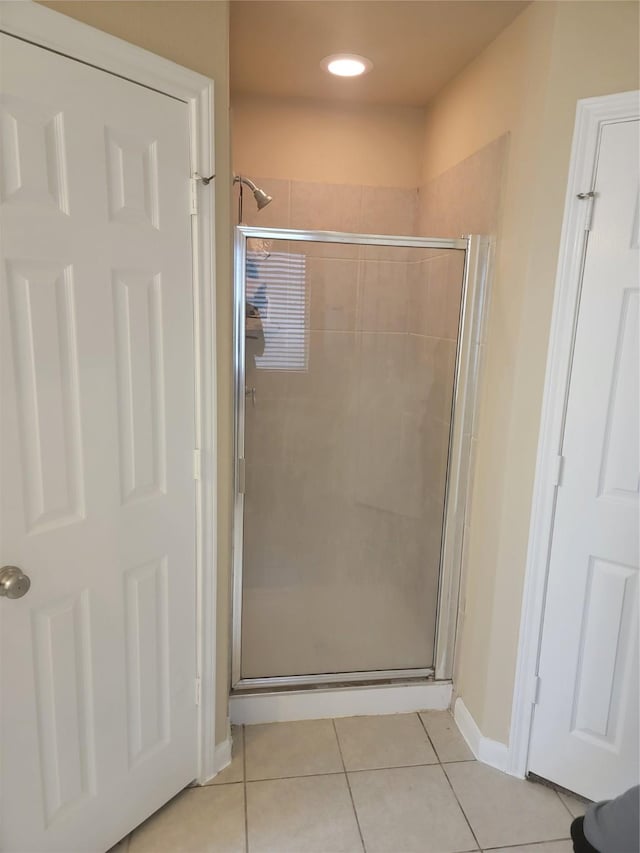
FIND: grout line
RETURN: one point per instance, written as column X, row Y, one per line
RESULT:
column 244, row 784
column 573, row 817
column 564, row 804
column 527, row 844
column 195, row 789
column 386, row 332
column 461, row 808
column 346, row 776
column 305, row 776
column 358, row 306
column 393, row 767
column 426, row 731
column 441, row 764
column 355, row 770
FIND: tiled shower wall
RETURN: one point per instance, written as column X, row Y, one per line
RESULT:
column 346, row 464
column 465, row 199
column 334, row 207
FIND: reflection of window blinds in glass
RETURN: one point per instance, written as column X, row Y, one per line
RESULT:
column 276, row 285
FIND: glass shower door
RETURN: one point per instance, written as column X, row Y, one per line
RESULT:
column 349, row 357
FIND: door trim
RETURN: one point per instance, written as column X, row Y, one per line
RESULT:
column 592, row 115
column 57, row 32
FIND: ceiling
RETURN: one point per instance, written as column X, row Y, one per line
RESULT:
column 416, row 46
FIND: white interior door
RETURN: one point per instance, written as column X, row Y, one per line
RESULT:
column 585, row 728
column 98, row 502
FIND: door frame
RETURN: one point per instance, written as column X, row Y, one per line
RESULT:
column 54, row 31
column 592, row 114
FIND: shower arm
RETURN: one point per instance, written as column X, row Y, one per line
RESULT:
column 240, row 179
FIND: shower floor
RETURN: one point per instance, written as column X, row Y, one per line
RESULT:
column 392, row 784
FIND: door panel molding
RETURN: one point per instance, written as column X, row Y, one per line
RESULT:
column 592, row 115
column 51, row 30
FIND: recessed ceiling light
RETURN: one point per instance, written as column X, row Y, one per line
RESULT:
column 346, row 64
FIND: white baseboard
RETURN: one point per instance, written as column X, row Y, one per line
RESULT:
column 339, row 702
column 490, row 752
column 221, row 754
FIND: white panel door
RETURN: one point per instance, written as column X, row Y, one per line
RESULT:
column 585, row 729
column 98, row 502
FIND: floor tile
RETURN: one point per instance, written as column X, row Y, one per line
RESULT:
column 409, row 809
column 235, row 771
column 312, row 814
column 199, row 820
column 304, row 748
column 503, row 810
column 396, row 740
column 446, row 737
column 576, row 806
column 545, row 847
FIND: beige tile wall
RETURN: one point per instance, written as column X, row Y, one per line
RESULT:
column 466, row 198
column 334, row 207
column 346, row 463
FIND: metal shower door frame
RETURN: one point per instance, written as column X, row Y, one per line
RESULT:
column 478, row 252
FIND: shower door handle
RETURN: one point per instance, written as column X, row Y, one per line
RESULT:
column 251, row 392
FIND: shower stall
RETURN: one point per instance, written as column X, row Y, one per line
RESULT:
column 356, row 361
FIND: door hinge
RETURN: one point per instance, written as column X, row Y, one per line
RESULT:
column 241, row 476
column 535, row 689
column 197, row 691
column 589, row 198
column 197, row 464
column 558, row 470
column 193, row 197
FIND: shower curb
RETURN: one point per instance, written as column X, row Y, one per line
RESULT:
column 352, row 701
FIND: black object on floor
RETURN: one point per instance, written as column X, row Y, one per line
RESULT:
column 580, row 843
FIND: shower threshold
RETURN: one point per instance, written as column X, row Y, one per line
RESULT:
column 334, row 680
column 271, row 703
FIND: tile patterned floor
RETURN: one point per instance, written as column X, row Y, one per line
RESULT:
column 394, row 784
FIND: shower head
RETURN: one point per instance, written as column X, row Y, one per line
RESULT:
column 262, row 198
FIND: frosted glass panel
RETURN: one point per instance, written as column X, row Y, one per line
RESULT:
column 350, row 361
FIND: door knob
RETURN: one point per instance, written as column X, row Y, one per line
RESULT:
column 13, row 582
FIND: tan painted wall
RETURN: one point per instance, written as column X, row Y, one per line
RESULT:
column 526, row 83
column 327, row 142
column 196, row 35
